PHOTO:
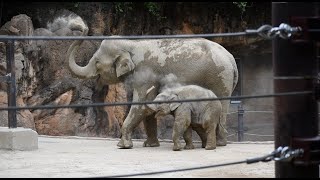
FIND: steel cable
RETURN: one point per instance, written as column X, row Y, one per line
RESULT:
column 151, row 102
column 174, row 170
column 266, row 31
column 280, row 154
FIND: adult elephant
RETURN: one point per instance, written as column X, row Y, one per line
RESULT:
column 145, row 62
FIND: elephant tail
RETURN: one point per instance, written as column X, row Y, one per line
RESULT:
column 235, row 74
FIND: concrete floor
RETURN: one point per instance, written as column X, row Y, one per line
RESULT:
column 59, row 157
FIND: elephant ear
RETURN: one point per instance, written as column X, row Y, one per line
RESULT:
column 124, row 64
column 175, row 105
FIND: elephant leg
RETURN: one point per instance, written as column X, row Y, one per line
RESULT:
column 135, row 116
column 222, row 127
column 211, row 138
column 176, row 134
column 181, row 123
column 187, row 136
column 203, row 136
column 150, row 124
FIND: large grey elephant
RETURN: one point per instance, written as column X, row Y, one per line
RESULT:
column 145, row 62
column 201, row 116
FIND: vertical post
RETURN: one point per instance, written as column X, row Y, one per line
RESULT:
column 240, row 122
column 295, row 116
column 11, row 83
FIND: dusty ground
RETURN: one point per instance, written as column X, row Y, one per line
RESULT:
column 95, row 157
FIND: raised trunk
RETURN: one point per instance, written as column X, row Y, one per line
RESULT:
column 89, row 70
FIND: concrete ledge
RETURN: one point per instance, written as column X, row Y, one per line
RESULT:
column 18, row 139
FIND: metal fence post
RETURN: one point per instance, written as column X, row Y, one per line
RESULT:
column 11, row 83
column 240, row 122
column 295, row 116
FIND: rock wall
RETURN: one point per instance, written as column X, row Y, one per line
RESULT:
column 41, row 68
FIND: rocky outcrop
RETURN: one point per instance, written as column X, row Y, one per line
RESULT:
column 24, row 117
column 43, row 78
column 19, row 25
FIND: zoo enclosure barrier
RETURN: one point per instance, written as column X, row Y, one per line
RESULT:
column 288, row 42
column 240, row 132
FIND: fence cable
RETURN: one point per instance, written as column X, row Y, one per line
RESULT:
column 266, row 31
column 250, row 134
column 280, row 154
column 152, row 102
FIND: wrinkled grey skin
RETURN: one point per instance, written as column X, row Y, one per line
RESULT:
column 192, row 61
column 201, row 116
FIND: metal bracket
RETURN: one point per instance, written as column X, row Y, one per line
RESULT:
column 311, row 147
column 310, row 28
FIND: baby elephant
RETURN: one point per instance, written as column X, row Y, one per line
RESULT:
column 201, row 116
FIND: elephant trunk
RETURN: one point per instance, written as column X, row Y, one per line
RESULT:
column 82, row 72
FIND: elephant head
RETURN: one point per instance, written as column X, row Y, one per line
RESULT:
column 164, row 108
column 111, row 61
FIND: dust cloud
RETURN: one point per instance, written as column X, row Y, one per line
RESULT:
column 168, row 82
column 67, row 19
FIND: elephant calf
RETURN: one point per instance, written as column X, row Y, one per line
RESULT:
column 201, row 116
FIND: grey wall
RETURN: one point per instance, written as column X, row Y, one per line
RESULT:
column 256, row 79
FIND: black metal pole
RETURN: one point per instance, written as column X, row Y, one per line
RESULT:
column 240, row 122
column 295, row 116
column 11, row 83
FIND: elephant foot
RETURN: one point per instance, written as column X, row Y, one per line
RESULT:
column 176, row 148
column 151, row 143
column 125, row 144
column 221, row 142
column 189, row 146
column 210, row 147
